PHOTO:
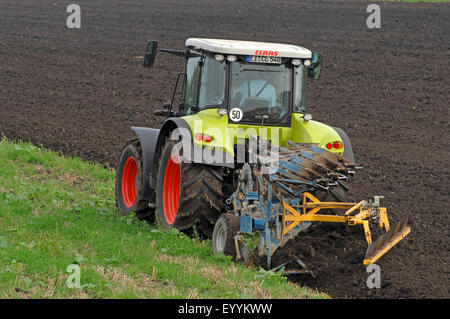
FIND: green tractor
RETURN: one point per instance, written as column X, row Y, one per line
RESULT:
column 230, row 91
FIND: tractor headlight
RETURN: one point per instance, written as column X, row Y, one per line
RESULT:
column 307, row 117
column 222, row 112
column 219, row 57
column 296, row 62
column 231, row 58
column 307, row 62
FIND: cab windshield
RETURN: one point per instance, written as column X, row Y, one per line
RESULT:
column 265, row 93
column 262, row 91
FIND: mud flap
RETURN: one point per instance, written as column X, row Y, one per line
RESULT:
column 348, row 150
column 386, row 241
column 148, row 138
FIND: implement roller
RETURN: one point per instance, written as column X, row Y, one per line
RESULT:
column 277, row 197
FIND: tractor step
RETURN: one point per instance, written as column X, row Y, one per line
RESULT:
column 386, row 241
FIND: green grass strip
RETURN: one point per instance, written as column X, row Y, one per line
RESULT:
column 58, row 214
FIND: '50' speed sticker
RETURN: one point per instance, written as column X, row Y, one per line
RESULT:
column 236, row 114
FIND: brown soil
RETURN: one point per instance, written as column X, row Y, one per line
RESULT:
column 79, row 91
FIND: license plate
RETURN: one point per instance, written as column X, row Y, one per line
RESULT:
column 264, row 59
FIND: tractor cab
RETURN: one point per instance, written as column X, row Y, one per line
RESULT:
column 256, row 83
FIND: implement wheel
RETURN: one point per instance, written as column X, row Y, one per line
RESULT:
column 227, row 226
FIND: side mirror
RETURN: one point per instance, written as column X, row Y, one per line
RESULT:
column 150, row 53
column 316, row 65
column 167, row 105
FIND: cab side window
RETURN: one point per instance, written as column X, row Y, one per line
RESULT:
column 299, row 94
column 212, row 88
column 191, row 84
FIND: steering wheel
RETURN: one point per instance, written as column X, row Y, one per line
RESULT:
column 275, row 111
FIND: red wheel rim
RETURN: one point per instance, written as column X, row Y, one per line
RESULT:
column 171, row 189
column 130, row 171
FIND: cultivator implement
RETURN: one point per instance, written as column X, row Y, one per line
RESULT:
column 355, row 214
column 283, row 201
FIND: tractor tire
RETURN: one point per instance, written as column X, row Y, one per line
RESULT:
column 227, row 226
column 128, row 183
column 188, row 196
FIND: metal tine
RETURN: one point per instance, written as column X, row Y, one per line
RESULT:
column 300, row 189
column 317, row 166
column 329, row 155
column 342, row 185
column 292, row 157
column 279, row 267
column 289, row 174
column 301, row 163
column 322, row 182
column 316, row 157
column 323, row 179
column 295, row 144
column 300, row 170
column 334, row 159
column 285, row 189
column 293, row 167
column 306, row 153
column 314, row 147
column 319, row 159
column 330, row 173
column 293, row 177
column 296, row 191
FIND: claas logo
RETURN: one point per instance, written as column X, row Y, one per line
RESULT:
column 264, row 52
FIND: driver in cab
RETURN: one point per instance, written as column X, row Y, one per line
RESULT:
column 254, row 87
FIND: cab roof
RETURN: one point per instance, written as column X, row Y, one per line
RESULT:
column 239, row 47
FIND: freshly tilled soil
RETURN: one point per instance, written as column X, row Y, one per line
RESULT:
column 80, row 90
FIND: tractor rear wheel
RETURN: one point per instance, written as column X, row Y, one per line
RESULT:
column 188, row 195
column 128, row 182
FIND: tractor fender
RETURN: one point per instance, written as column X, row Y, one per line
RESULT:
column 152, row 140
column 170, row 125
column 148, row 138
column 348, row 150
column 191, row 153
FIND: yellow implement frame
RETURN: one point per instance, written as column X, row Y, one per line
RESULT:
column 355, row 214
